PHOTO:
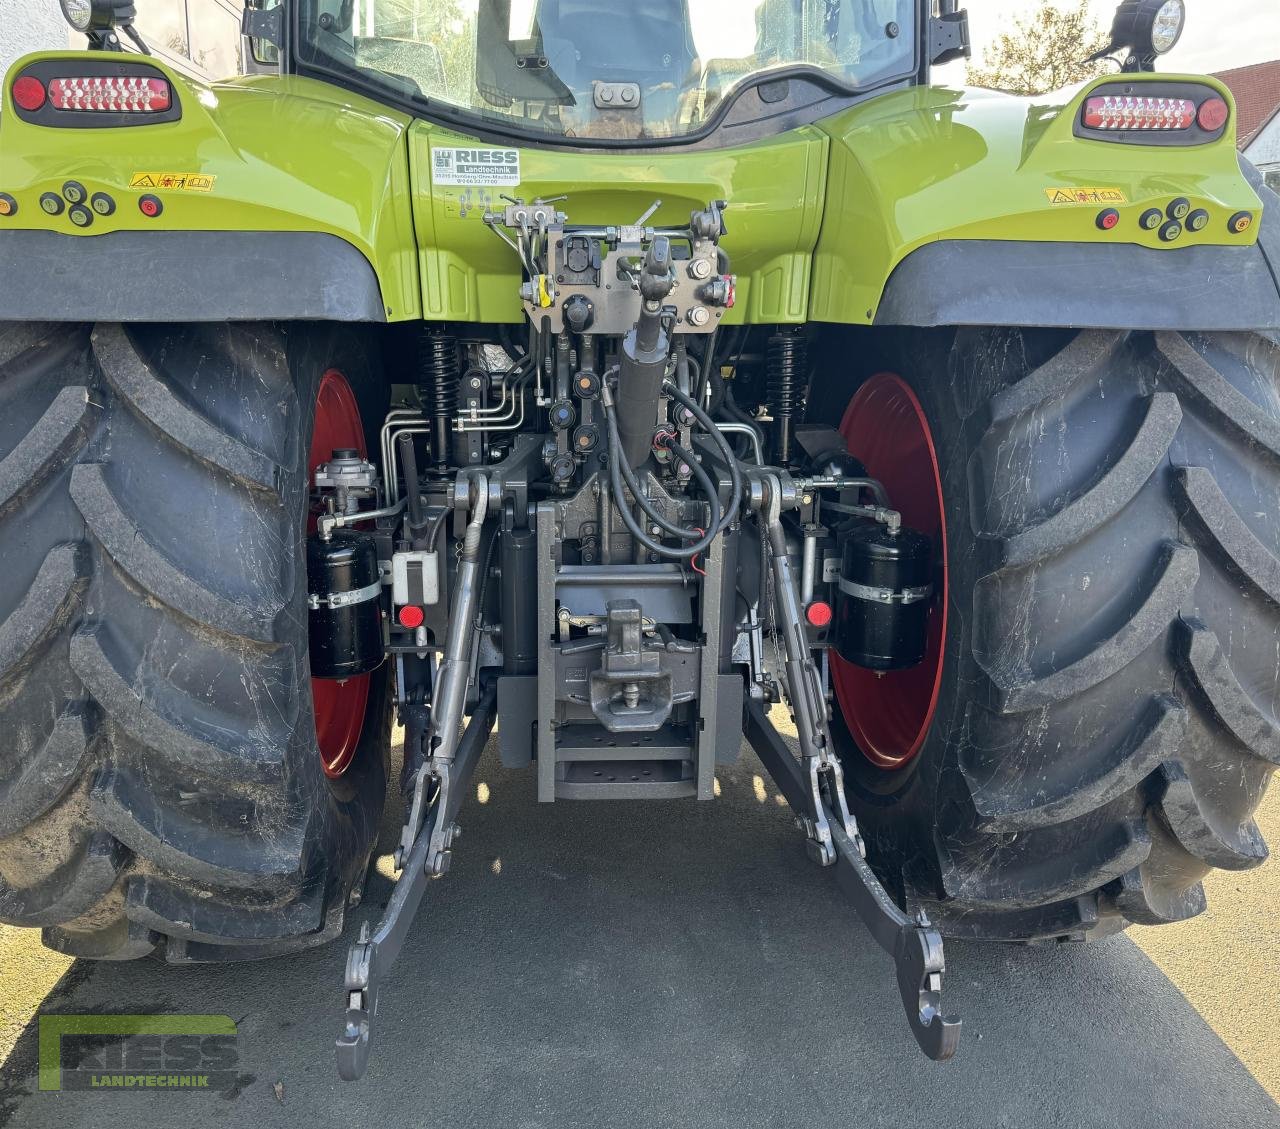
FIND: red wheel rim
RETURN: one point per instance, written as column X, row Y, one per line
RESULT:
column 339, row 706
column 889, row 714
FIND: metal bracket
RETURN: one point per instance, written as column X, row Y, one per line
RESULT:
column 949, row 37
column 631, row 692
column 372, row 956
column 265, row 24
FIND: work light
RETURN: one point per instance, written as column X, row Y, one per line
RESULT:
column 1148, row 27
column 97, row 15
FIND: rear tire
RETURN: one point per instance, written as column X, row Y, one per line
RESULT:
column 160, row 785
column 1107, row 717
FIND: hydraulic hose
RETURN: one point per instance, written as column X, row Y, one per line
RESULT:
column 617, row 470
column 628, row 475
column 735, row 474
column 718, row 521
column 409, row 461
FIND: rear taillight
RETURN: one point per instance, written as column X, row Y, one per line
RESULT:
column 1153, row 112
column 28, row 93
column 131, row 94
column 1130, row 111
column 1213, row 114
column 91, row 93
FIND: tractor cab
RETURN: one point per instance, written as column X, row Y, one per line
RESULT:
column 592, row 70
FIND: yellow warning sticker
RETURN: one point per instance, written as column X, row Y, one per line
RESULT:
column 173, row 181
column 1059, row 196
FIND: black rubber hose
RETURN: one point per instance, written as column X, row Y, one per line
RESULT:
column 628, row 475
column 735, row 474
column 642, row 499
column 616, row 464
column 412, row 486
column 717, row 522
column 715, row 382
column 704, row 480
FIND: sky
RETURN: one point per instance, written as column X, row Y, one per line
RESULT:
column 1219, row 34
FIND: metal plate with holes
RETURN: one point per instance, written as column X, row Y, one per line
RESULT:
column 614, row 299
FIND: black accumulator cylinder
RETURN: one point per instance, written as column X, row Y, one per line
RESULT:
column 346, row 640
column 882, row 605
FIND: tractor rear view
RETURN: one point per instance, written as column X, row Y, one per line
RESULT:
column 610, row 377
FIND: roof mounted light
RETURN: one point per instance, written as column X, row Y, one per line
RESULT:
column 1147, row 28
column 98, row 19
column 97, row 15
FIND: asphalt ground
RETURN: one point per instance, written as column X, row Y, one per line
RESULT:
column 683, row 964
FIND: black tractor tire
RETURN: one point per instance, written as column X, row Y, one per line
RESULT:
column 160, row 785
column 1107, row 720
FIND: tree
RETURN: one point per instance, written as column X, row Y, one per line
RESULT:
column 1045, row 51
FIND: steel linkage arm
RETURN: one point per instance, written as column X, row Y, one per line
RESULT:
column 439, row 785
column 915, row 946
column 813, row 785
column 372, row 956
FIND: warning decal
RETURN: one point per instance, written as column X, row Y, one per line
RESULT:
column 1058, row 196
column 478, row 168
column 173, row 181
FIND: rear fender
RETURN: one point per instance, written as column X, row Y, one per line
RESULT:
column 951, row 207
column 281, row 198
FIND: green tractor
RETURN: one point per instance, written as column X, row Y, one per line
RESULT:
column 610, row 374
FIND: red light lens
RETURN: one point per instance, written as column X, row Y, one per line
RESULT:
column 1213, row 115
column 411, row 616
column 28, row 93
column 1116, row 111
column 130, row 94
column 818, row 613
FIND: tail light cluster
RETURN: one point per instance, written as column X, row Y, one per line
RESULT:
column 1153, row 113
column 1112, row 111
column 132, row 95
column 85, row 92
